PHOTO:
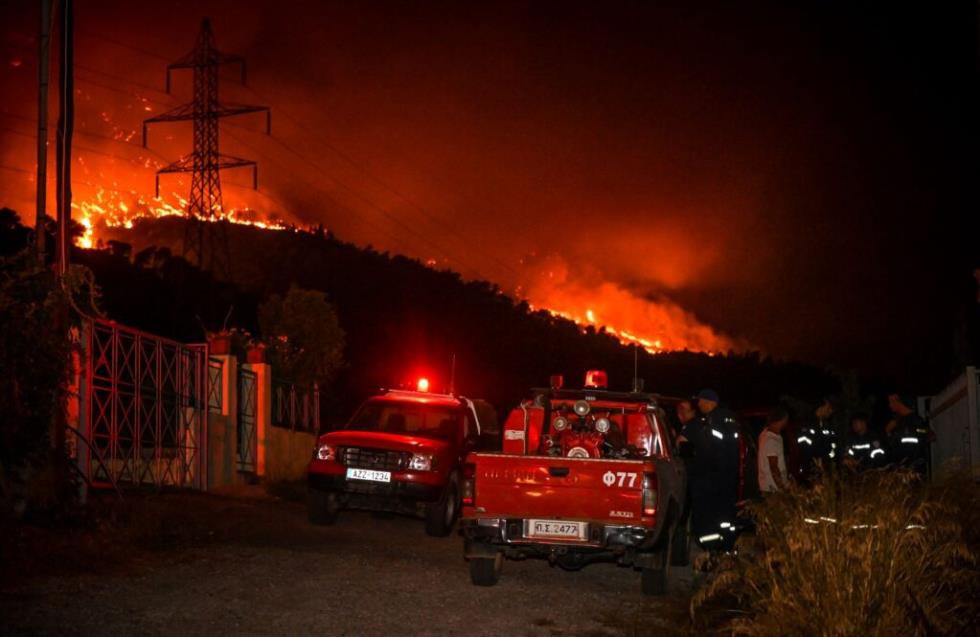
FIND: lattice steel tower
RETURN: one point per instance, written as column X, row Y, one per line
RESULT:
column 206, row 161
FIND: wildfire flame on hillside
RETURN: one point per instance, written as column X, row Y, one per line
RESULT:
column 103, row 203
column 109, row 209
column 656, row 326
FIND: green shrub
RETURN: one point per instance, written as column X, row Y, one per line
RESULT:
column 874, row 554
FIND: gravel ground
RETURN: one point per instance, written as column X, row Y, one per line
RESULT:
column 256, row 567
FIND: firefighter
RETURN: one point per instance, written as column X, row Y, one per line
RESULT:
column 714, row 478
column 862, row 448
column 908, row 436
column 685, row 414
column 817, row 441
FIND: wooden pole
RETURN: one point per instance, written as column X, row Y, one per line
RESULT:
column 66, row 116
column 66, row 106
column 43, row 64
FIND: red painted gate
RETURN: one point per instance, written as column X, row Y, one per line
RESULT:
column 144, row 405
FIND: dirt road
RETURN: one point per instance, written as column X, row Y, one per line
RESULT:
column 233, row 566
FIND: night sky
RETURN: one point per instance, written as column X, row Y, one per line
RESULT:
column 798, row 177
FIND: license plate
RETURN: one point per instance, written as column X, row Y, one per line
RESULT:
column 556, row 530
column 368, row 474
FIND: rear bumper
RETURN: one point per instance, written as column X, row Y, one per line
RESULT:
column 483, row 533
column 395, row 496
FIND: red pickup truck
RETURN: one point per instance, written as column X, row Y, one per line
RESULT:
column 401, row 452
column 584, row 475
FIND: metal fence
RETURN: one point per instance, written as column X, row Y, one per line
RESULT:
column 294, row 407
column 247, row 411
column 145, row 420
column 215, row 386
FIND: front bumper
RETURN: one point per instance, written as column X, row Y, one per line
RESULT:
column 395, row 496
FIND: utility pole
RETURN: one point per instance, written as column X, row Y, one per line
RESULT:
column 206, row 161
column 43, row 64
column 66, row 124
column 66, row 118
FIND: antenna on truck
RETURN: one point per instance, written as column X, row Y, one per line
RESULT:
column 452, row 377
column 637, row 381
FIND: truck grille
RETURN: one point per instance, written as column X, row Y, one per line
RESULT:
column 376, row 459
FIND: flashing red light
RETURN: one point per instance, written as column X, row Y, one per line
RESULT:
column 423, row 384
column 596, row 379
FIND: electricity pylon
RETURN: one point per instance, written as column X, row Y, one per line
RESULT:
column 206, row 161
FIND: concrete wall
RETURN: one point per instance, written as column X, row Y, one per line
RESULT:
column 287, row 453
column 281, row 454
column 223, row 431
column 223, row 453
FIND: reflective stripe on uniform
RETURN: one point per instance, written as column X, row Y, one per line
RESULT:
column 717, row 434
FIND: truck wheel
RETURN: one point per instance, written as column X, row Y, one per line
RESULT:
column 322, row 507
column 485, row 571
column 441, row 516
column 680, row 548
column 653, row 578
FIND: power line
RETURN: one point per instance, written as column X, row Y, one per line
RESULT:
column 131, row 160
column 441, row 223
column 426, row 240
column 324, row 173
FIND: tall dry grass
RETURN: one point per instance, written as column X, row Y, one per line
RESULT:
column 875, row 554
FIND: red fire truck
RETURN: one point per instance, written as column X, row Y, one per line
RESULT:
column 401, row 452
column 584, row 475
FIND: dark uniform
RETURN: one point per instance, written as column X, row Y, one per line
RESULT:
column 818, row 444
column 713, row 475
column 864, row 449
column 908, row 443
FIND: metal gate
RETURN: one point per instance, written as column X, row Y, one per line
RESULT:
column 247, row 400
column 144, row 408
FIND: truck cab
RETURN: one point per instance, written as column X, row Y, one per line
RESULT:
column 584, row 475
column 401, row 452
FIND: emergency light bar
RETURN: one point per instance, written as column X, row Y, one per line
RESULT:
column 596, row 379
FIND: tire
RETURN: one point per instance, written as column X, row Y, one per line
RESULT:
column 441, row 516
column 485, row 571
column 653, row 578
column 680, row 547
column 322, row 507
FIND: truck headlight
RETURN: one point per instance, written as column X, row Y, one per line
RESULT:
column 325, row 452
column 421, row 462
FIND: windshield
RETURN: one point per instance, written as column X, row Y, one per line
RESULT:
column 413, row 419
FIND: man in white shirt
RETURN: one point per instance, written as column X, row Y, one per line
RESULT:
column 772, row 460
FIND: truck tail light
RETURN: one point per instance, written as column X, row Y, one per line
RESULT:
column 469, row 484
column 649, row 494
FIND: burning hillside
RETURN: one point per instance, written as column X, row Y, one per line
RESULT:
column 108, row 209
column 656, row 325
